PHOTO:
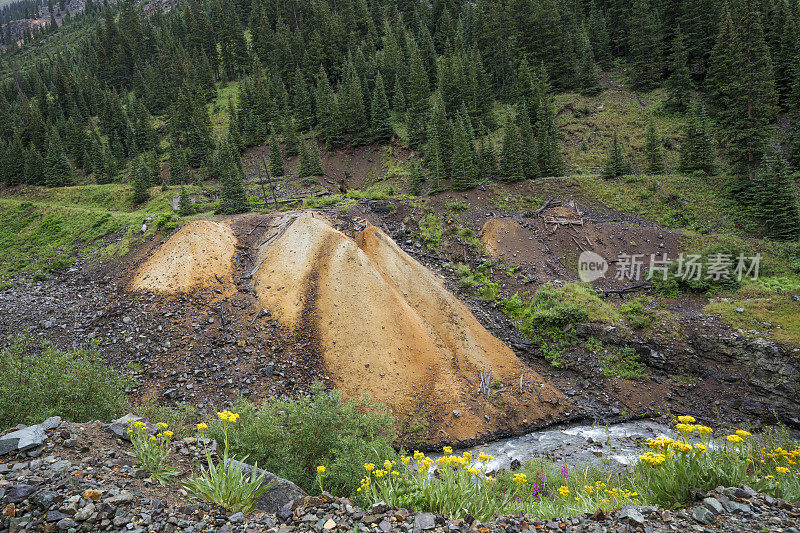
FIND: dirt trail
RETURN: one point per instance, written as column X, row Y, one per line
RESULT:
column 388, row 327
column 197, row 255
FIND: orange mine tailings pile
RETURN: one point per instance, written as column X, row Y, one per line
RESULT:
column 192, row 258
column 386, row 326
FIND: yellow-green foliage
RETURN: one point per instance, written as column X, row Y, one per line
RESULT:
column 431, row 230
column 776, row 315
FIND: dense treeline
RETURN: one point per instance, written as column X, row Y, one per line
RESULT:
column 349, row 71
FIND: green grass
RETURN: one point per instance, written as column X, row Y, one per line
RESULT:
column 774, row 315
column 47, row 229
column 218, row 108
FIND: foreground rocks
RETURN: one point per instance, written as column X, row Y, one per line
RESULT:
column 80, row 479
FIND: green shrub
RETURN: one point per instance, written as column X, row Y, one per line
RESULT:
column 432, row 229
column 638, row 316
column 166, row 223
column 456, row 206
column 623, row 363
column 39, row 381
column 673, row 285
column 291, row 438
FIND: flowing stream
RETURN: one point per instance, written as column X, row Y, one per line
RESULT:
column 611, row 447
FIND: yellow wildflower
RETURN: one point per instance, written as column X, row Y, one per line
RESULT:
column 379, row 473
column 447, row 450
column 418, row 455
column 320, row 469
column 168, row 434
column 162, row 425
column 686, row 419
column 563, row 490
column 703, row 429
column 369, row 467
column 387, row 464
column 520, row 479
column 152, row 438
column 734, row 438
column 201, row 426
column 700, row 448
column 743, row 433
column 485, row 457
column 782, row 470
column 406, row 459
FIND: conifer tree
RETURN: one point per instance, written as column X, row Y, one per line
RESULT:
column 292, row 142
column 697, row 148
column 235, row 127
column 382, row 131
column 774, row 199
column 178, row 166
column 530, row 156
column 511, row 163
column 58, row 171
column 399, row 98
column 644, row 40
column 794, row 146
column 616, row 164
column 742, row 87
column 549, row 140
column 184, row 203
column 34, row 167
column 416, row 178
column 233, row 196
column 586, row 70
column 652, row 149
column 275, row 158
column 140, row 180
column 679, row 82
column 14, row 164
column 310, row 160
column 463, row 175
column 417, row 99
column 487, row 161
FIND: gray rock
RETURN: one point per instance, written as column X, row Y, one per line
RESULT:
column 703, row 515
column 713, row 505
column 27, row 438
column 122, row 497
column 85, row 513
column 632, row 515
column 17, row 492
column 281, row 493
column 236, row 518
column 424, row 522
column 119, row 427
column 44, row 499
column 54, row 516
column 66, row 523
column 59, row 466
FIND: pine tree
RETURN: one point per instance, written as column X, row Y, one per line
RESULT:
column 292, row 142
column 774, row 199
column 549, row 140
column 530, row 163
column 697, row 148
column 463, row 175
column 645, row 46
column 652, row 149
column 399, row 98
column 416, row 178
column 184, row 203
column 794, row 146
column 616, row 165
column 382, row 131
column 34, row 167
column 679, row 82
column 58, row 171
column 742, row 87
column 418, row 101
column 14, row 164
column 310, row 161
column 140, row 180
column 511, row 163
column 439, row 152
column 275, row 158
column 586, row 70
column 233, row 196
column 178, row 166
column 487, row 161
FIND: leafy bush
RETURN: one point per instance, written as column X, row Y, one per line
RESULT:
column 291, row 438
column 432, row 230
column 42, row 381
column 623, row 363
column 322, row 201
column 166, row 223
column 477, row 280
column 673, row 285
column 638, row 316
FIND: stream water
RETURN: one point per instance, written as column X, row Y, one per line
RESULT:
column 606, row 447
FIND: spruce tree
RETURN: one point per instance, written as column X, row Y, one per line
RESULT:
column 233, row 196
column 549, row 140
column 679, row 82
column 34, row 167
column 140, row 180
column 290, row 137
column 416, row 178
column 644, row 40
column 418, row 101
column 511, row 163
column 530, row 163
column 275, row 158
column 310, row 161
column 487, row 160
column 382, row 131
column 184, row 203
column 774, row 199
column 652, row 150
column 586, row 70
column 794, row 146
column 463, row 174
column 616, row 165
column 697, row 146
column 58, row 171
column 178, row 166
column 14, row 165
column 399, row 98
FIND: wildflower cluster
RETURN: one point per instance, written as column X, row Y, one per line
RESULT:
column 151, row 448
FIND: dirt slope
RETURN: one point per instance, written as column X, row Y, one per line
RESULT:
column 193, row 257
column 387, row 326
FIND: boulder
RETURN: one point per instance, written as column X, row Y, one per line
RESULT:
column 282, row 493
column 119, row 427
column 27, row 438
